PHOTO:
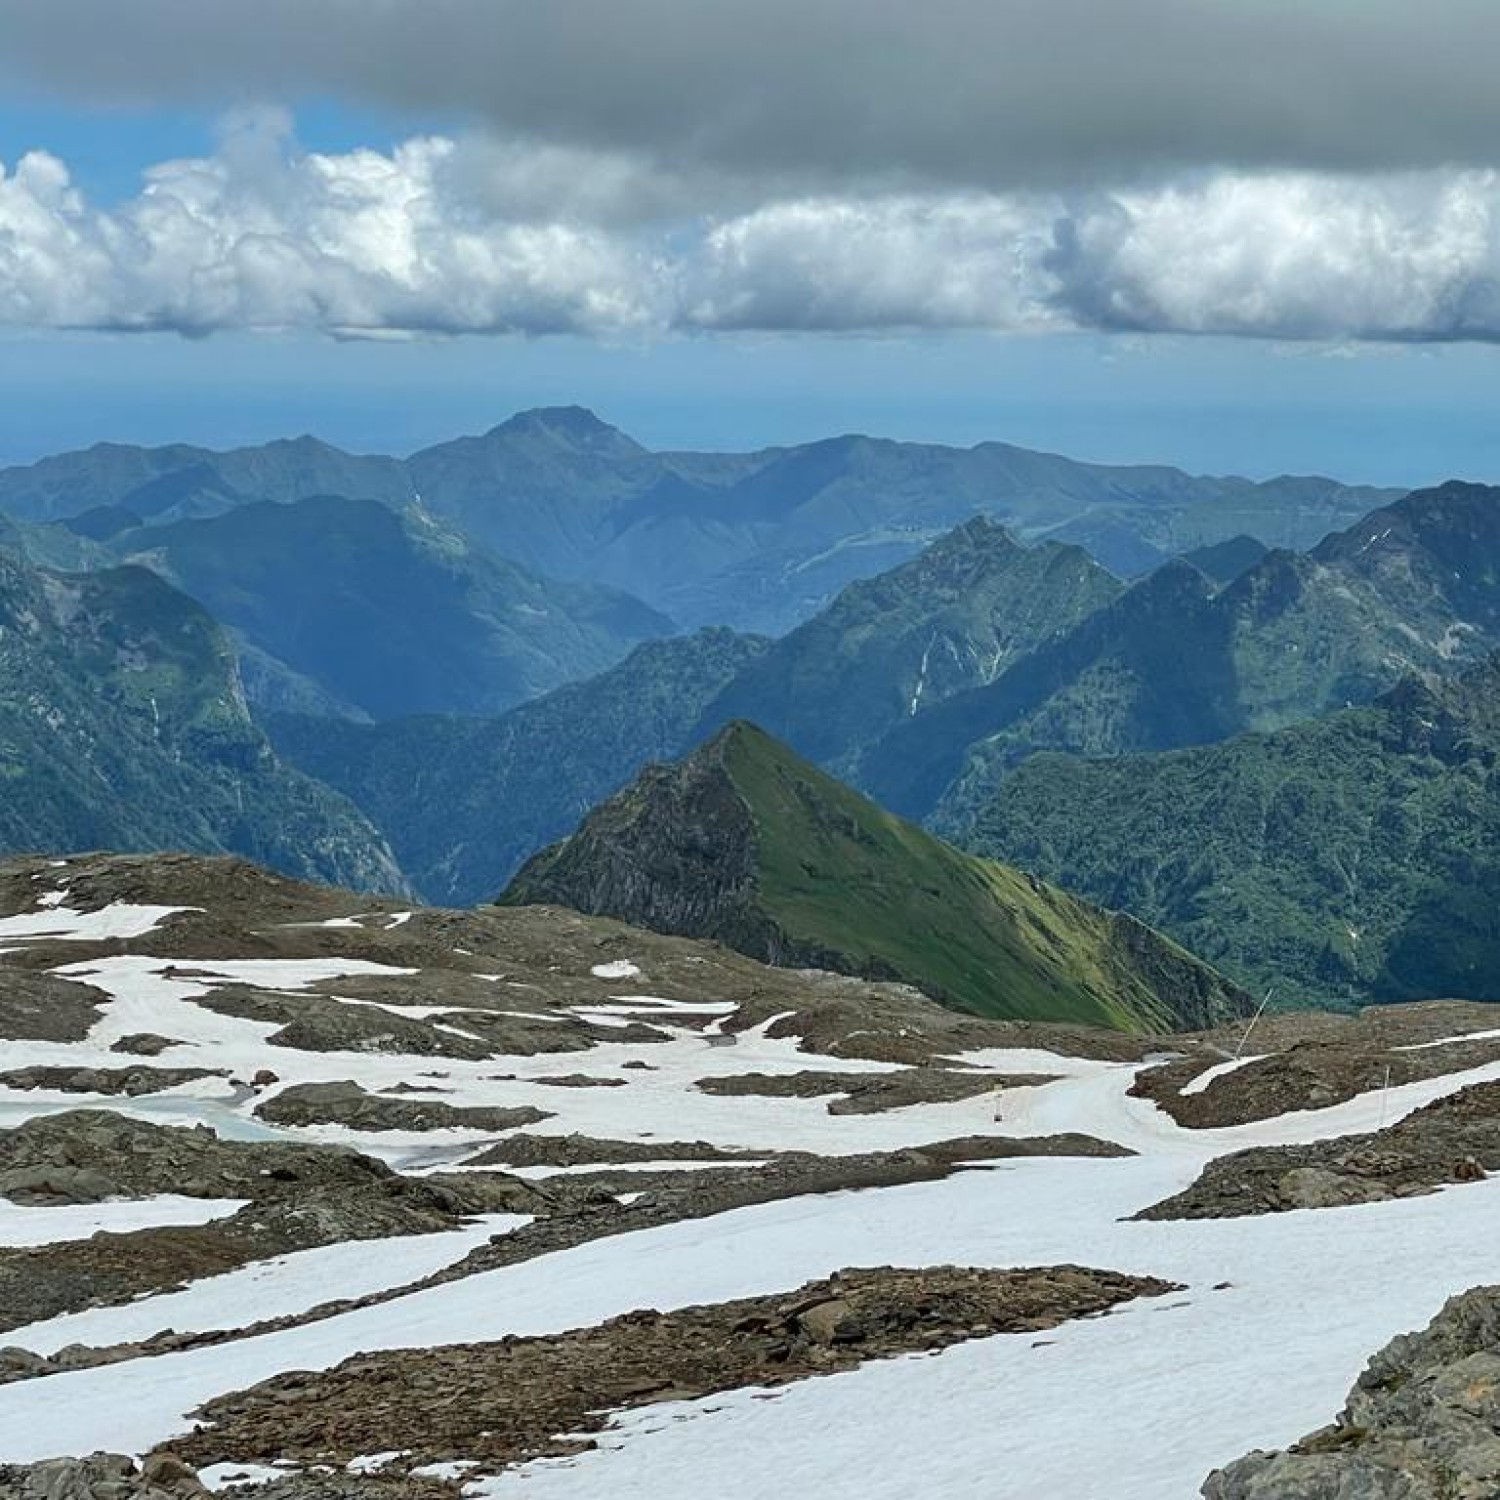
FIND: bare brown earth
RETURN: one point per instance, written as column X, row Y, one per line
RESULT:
column 868, row 1093
column 488, row 963
column 44, row 1008
column 506, row 1402
column 344, row 1102
column 1455, row 1139
column 1316, row 1060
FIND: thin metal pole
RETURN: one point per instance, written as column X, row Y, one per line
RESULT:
column 1253, row 1019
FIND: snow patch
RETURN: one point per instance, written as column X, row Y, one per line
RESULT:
column 620, row 968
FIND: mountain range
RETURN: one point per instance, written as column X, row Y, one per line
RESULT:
column 464, row 801
column 758, row 541
column 1352, row 858
column 358, row 609
column 1177, row 660
column 413, row 675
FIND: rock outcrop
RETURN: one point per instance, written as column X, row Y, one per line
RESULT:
column 1422, row 1423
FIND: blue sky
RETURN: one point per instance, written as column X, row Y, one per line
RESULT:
column 354, row 252
column 1399, row 416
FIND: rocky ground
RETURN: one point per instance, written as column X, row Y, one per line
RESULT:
column 1310, row 1061
column 1456, row 1139
column 1422, row 1423
column 504, row 1403
column 872, row 1093
column 212, row 1076
column 296, row 1197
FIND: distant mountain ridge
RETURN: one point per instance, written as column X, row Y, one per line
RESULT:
column 123, row 726
column 745, row 842
column 758, row 541
column 890, row 647
column 1176, row 660
column 365, row 609
column 464, row 801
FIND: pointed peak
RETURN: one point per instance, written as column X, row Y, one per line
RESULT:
column 980, row 530
column 1175, row 576
column 739, row 734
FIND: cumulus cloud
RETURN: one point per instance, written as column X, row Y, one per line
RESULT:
column 447, row 235
column 1293, row 256
column 980, row 93
column 259, row 236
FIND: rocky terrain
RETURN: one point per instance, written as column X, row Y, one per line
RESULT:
column 1422, row 1423
column 344, row 1199
column 1311, row 1060
column 509, row 1402
column 1454, row 1139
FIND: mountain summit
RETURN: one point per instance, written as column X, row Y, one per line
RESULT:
column 745, row 842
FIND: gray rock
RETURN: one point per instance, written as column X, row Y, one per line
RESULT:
column 1317, row 1187
column 1422, row 1423
column 37, row 1186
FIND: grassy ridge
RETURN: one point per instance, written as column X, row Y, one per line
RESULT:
column 838, row 873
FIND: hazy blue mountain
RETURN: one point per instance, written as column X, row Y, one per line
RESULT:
column 122, row 726
column 1176, row 661
column 464, row 801
column 1225, row 561
column 358, row 607
column 180, row 481
column 492, row 792
column 894, row 646
column 756, row 540
column 1350, row 859
column 770, row 536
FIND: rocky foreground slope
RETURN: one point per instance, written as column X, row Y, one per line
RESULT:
column 1422, row 1423
column 314, row 1196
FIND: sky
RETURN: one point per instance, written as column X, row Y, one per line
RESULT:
column 1246, row 236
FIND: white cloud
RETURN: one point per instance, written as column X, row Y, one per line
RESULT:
column 901, row 261
column 1292, row 255
column 476, row 235
column 258, row 236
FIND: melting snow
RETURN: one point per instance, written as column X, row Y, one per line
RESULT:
column 1220, row 1070
column 283, row 1287
column 122, row 920
column 621, row 968
column 77, row 1221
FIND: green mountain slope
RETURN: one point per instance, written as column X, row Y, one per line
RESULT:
column 464, row 801
column 894, row 646
column 745, row 842
column 122, row 726
column 355, row 604
column 1175, row 661
column 1351, row 859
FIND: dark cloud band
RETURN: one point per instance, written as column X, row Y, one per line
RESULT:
column 985, row 93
